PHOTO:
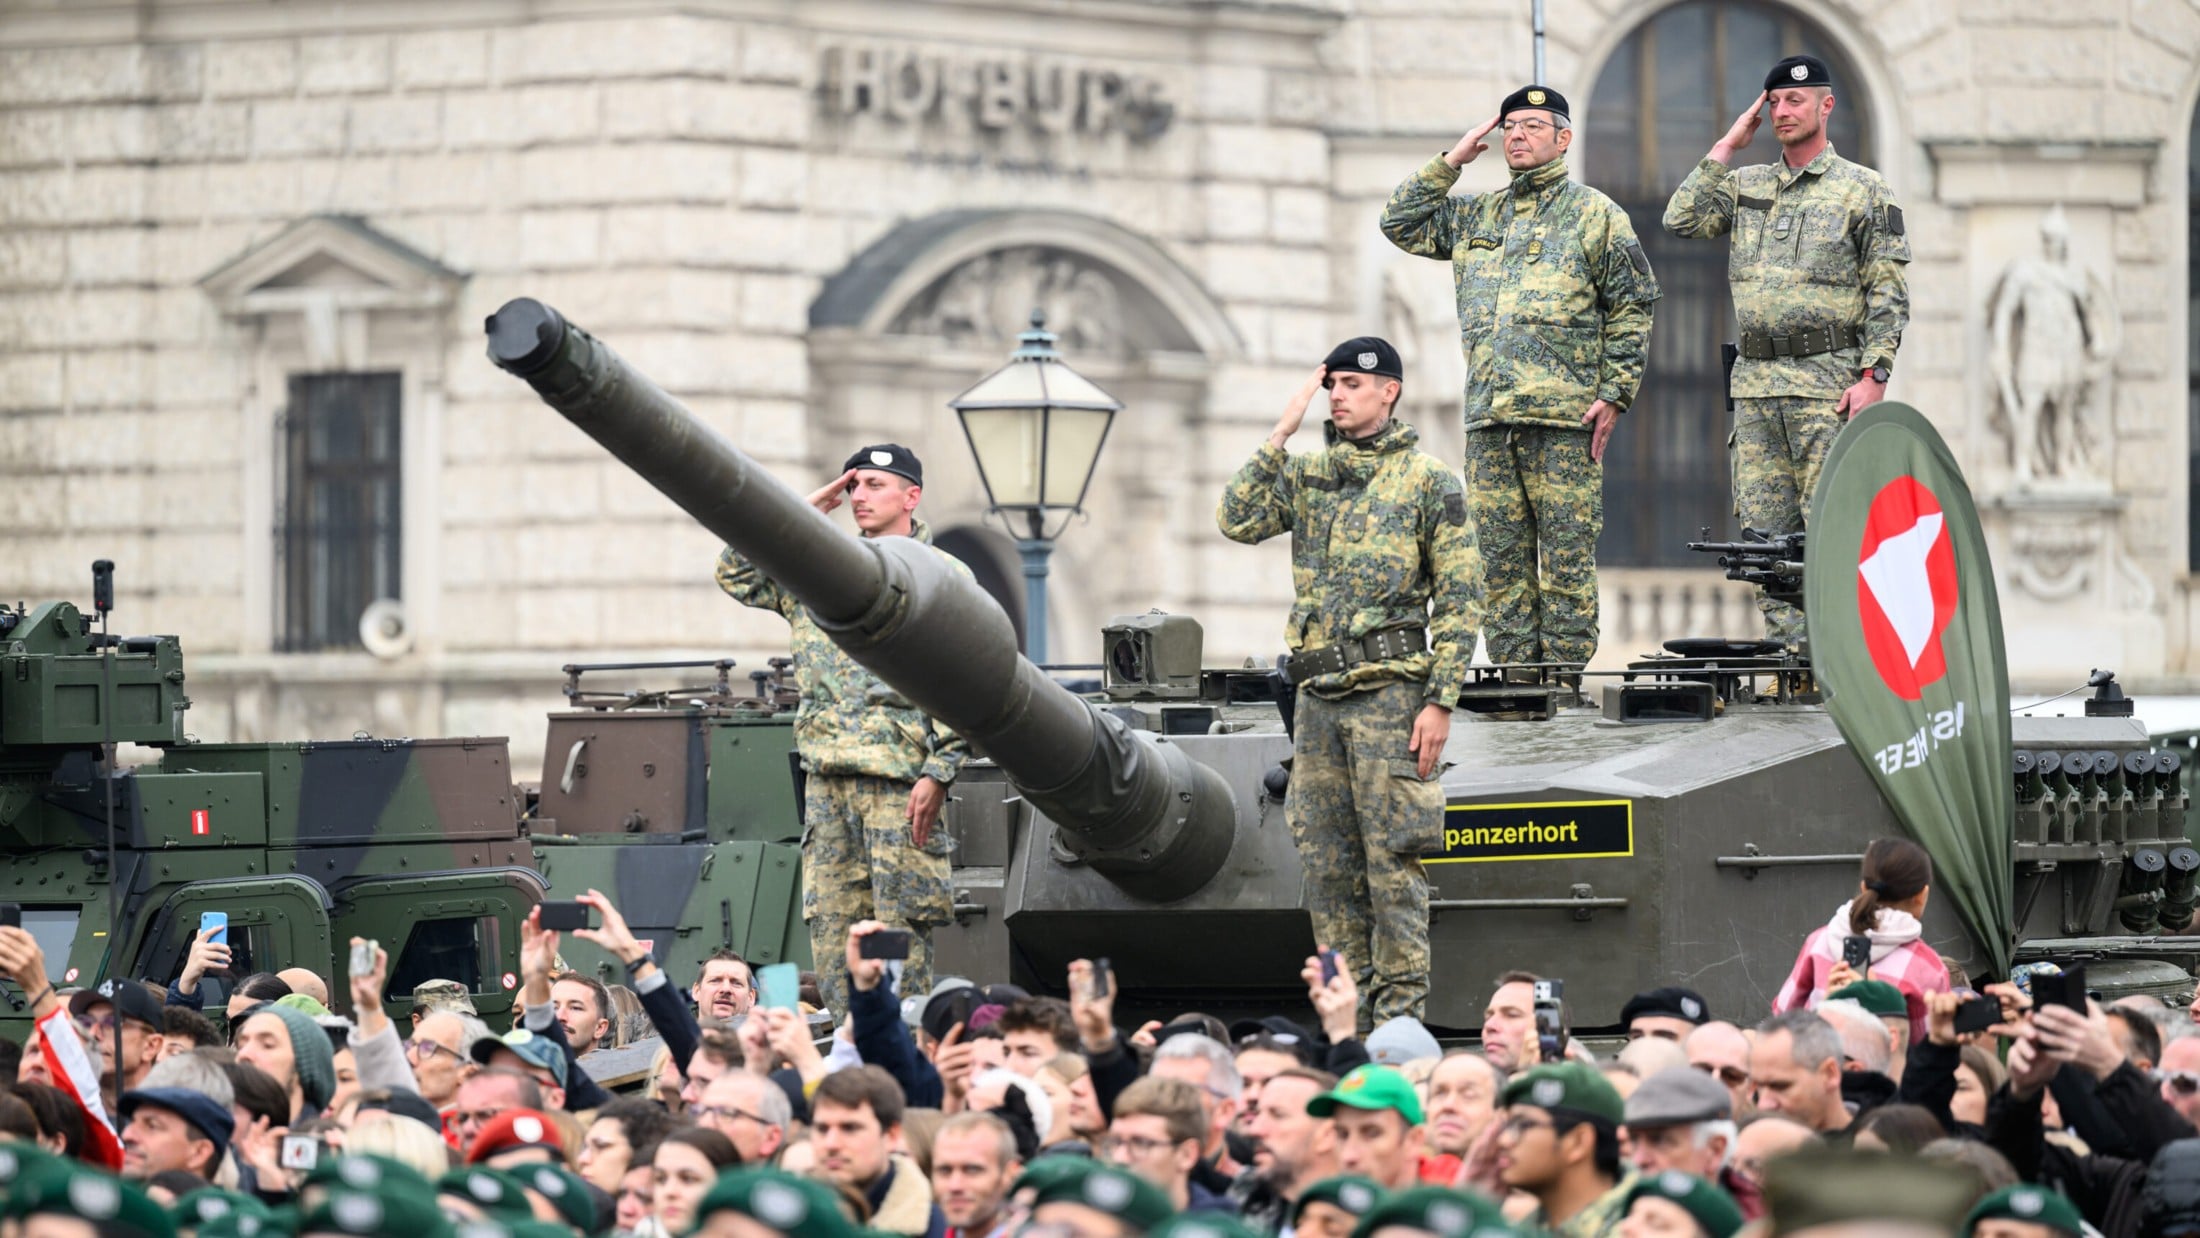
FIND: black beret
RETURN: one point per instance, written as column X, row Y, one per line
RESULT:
column 1534, row 97
column 1671, row 1003
column 1365, row 354
column 1798, row 71
column 888, row 458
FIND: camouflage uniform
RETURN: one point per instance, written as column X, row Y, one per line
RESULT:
column 1816, row 247
column 864, row 747
column 1599, row 1219
column 1380, row 541
column 1555, row 296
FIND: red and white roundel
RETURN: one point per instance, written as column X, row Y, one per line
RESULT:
column 1906, row 586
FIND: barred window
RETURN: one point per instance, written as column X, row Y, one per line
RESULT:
column 338, row 526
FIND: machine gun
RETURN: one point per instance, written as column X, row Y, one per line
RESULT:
column 1772, row 561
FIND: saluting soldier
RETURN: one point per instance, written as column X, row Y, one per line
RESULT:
column 1555, row 298
column 1384, row 565
column 878, row 769
column 1816, row 263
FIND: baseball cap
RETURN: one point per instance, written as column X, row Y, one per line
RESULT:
column 1370, row 1087
column 1567, row 1085
column 130, row 999
column 538, row 1051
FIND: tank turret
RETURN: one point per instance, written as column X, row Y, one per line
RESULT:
column 1126, row 804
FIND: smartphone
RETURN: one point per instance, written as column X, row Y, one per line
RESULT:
column 218, row 921
column 1096, row 989
column 300, row 1152
column 1857, row 953
column 779, row 987
column 1330, row 968
column 1977, row 1015
column 11, row 915
column 561, row 916
column 362, row 957
column 2066, row 990
column 1550, row 1019
column 885, row 944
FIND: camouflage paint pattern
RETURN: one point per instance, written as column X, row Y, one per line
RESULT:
column 1780, row 444
column 861, row 863
column 1599, row 1219
column 850, row 721
column 1379, row 540
column 1554, row 290
column 1362, row 817
column 1812, row 247
column 1538, row 505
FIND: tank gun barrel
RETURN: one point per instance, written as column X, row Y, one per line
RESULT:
column 1157, row 823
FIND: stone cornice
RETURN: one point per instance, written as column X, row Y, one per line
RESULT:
column 1993, row 172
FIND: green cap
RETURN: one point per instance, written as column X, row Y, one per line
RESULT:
column 21, row 1162
column 116, row 1207
column 1204, row 1225
column 1714, row 1209
column 794, row 1206
column 1118, row 1192
column 1831, row 1186
column 245, row 1223
column 1047, row 1170
column 2034, row 1204
column 1877, row 996
column 364, row 1171
column 386, row 1213
column 538, row 1229
column 1567, row 1085
column 1370, row 1087
column 492, row 1190
column 1439, row 1210
column 1345, row 1192
column 209, row 1204
column 566, row 1191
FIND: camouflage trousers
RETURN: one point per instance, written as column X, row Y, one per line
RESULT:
column 1538, row 505
column 1779, row 444
column 1362, row 818
column 858, row 863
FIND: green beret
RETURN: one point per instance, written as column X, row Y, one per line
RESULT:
column 1118, row 1192
column 540, row 1229
column 209, row 1204
column 1877, row 996
column 375, row 1214
column 1832, row 1186
column 20, row 1163
column 118, row 1208
column 1047, row 1170
column 1204, row 1225
column 1439, row 1210
column 567, row 1192
column 1346, row 1192
column 245, row 1223
column 364, row 1171
column 2034, row 1204
column 1371, row 1087
column 493, row 1191
column 1715, row 1210
column 1567, row 1085
column 796, row 1207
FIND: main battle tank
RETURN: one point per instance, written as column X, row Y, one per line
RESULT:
column 1689, row 825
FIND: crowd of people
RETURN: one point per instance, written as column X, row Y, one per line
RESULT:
column 978, row 1110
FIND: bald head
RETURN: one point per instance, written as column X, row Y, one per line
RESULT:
column 302, row 981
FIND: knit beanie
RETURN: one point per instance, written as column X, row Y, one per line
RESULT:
column 309, row 1049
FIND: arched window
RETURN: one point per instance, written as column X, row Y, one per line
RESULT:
column 1668, row 92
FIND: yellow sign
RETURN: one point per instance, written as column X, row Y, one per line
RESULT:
column 1574, row 830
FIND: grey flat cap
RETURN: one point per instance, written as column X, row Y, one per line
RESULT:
column 1677, row 1097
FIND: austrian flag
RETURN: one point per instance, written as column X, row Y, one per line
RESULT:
column 1906, row 586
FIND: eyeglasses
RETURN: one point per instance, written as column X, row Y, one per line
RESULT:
column 425, row 1049
column 474, row 1117
column 1520, row 1124
column 704, row 1113
column 2183, row 1082
column 1731, row 1076
column 1136, row 1145
column 1529, row 127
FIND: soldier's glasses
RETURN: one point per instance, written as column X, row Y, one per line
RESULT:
column 1529, row 127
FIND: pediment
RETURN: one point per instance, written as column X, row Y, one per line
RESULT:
column 330, row 259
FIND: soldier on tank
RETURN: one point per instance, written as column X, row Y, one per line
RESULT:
column 878, row 770
column 1384, row 564
column 1816, row 263
column 1555, row 298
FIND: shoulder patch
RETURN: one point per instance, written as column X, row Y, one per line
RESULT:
column 1482, row 242
column 1455, row 508
column 1894, row 219
column 1640, row 259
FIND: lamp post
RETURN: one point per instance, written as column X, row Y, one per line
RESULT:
column 1036, row 427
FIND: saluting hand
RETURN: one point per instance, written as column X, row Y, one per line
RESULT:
column 833, row 492
column 1602, row 416
column 1471, row 145
column 1742, row 131
column 1294, row 414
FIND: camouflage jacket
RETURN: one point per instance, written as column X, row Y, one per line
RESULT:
column 1818, row 246
column 1379, row 540
column 849, row 722
column 1599, row 1220
column 1554, row 290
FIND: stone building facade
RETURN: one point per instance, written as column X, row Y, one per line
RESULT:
column 245, row 249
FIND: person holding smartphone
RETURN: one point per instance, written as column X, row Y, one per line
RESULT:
column 1878, row 935
column 878, row 768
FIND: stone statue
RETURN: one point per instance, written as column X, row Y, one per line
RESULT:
column 2056, row 331
column 987, row 301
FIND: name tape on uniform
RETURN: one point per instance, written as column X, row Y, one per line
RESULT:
column 1582, row 829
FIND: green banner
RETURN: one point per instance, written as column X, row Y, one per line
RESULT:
column 1905, row 638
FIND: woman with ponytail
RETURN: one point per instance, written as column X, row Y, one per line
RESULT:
column 1887, row 911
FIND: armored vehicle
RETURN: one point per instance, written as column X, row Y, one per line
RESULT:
column 1692, row 827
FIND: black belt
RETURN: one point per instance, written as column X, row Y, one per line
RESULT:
column 1306, row 664
column 1800, row 343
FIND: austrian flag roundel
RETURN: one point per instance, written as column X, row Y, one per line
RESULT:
column 1906, row 586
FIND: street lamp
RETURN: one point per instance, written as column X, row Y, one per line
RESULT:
column 1036, row 427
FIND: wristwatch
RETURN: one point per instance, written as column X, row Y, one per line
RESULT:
column 1879, row 374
